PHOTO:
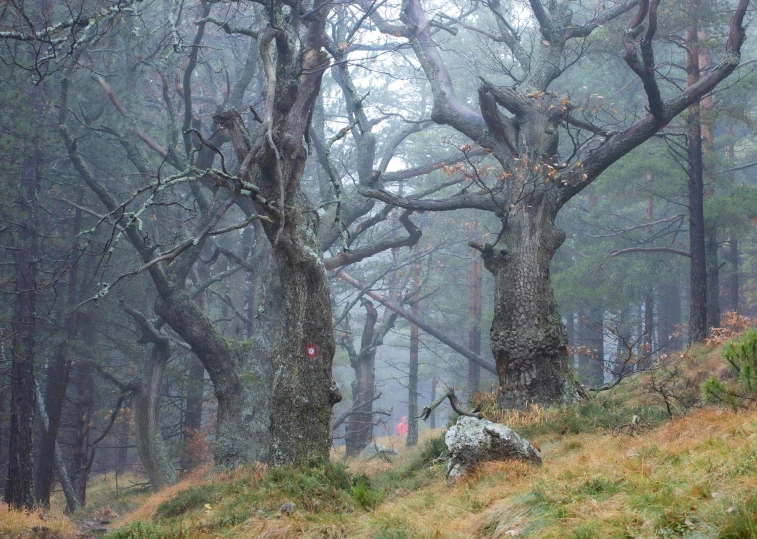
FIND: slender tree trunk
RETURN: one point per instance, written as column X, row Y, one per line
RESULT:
column 195, row 383
column 570, row 331
column 432, row 417
column 528, row 338
column 733, row 279
column 19, row 489
column 733, row 252
column 360, row 425
column 59, row 372
column 596, row 375
column 84, row 406
column 152, row 450
column 55, row 389
column 672, row 301
column 122, row 453
column 475, row 279
column 583, row 338
column 412, row 402
column 649, row 327
column 698, row 306
column 713, row 279
column 72, row 503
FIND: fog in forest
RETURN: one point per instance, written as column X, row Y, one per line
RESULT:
column 272, row 232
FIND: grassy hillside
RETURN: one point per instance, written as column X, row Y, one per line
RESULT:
column 691, row 476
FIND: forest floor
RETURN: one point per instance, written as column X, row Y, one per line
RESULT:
column 694, row 475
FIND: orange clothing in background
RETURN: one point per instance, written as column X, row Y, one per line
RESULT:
column 402, row 426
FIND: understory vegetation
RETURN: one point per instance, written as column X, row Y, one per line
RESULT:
column 694, row 475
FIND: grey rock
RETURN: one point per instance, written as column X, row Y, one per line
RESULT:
column 287, row 508
column 471, row 440
column 374, row 449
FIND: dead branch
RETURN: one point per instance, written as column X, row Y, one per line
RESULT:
column 453, row 400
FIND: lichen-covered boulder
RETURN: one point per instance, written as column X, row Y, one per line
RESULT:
column 471, row 440
column 374, row 449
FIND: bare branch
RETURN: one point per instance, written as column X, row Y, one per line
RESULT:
column 453, row 400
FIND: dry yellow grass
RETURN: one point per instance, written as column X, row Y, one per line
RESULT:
column 682, row 479
column 592, row 486
column 151, row 503
column 39, row 524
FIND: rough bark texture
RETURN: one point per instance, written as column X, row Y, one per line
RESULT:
column 528, row 338
column 302, row 393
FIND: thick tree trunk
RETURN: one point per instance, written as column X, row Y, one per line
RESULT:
column 412, row 386
column 19, row 489
column 152, row 450
column 475, row 279
column 302, row 393
column 527, row 336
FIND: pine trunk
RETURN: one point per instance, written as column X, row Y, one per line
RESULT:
column 713, row 279
column 19, row 489
column 698, row 305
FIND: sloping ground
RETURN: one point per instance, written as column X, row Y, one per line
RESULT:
column 692, row 476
